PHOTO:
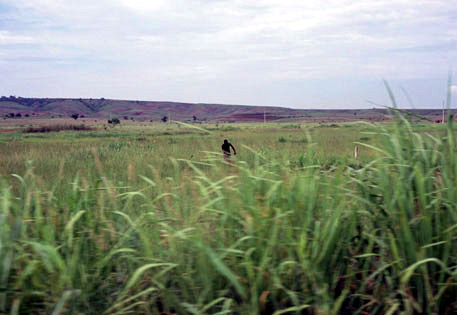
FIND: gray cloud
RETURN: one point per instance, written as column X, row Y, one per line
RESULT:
column 264, row 52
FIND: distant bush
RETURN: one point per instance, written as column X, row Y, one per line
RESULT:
column 56, row 128
column 291, row 126
column 114, row 121
column 323, row 125
column 282, row 139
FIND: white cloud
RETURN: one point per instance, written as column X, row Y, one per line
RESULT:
column 8, row 38
column 453, row 89
column 143, row 6
column 240, row 43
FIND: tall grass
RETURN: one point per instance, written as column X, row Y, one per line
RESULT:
column 261, row 236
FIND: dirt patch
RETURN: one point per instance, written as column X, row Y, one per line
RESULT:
column 8, row 130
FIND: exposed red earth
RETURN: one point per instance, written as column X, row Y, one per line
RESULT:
column 147, row 111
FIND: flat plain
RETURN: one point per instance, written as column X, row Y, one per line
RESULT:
column 149, row 218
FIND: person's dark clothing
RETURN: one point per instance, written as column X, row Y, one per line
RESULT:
column 226, row 148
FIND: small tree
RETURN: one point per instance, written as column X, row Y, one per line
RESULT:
column 164, row 119
column 194, row 118
column 114, row 121
column 74, row 116
column 18, row 115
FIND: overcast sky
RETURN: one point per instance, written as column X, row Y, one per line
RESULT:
column 292, row 53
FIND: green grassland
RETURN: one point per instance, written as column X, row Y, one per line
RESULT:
column 144, row 145
column 150, row 218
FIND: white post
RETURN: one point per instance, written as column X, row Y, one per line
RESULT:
column 356, row 152
column 442, row 120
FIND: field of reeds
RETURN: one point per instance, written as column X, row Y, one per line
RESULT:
column 152, row 219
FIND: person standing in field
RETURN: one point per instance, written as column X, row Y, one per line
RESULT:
column 226, row 149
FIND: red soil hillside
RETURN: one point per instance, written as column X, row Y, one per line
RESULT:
column 153, row 110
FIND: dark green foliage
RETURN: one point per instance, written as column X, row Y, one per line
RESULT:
column 55, row 128
column 114, row 121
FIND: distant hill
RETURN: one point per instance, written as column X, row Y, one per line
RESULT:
column 153, row 110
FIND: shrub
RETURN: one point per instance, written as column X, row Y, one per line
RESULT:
column 56, row 128
column 114, row 121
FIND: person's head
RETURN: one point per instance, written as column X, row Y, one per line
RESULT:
column 225, row 141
